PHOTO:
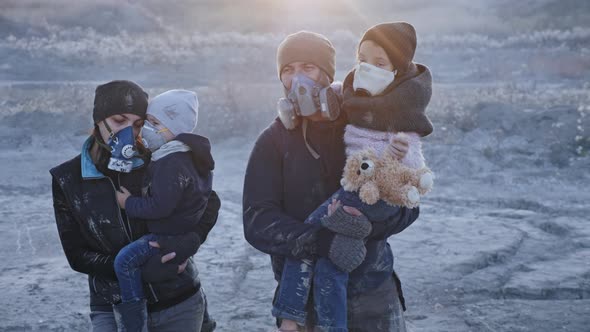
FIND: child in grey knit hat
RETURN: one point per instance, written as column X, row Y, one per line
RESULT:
column 176, row 193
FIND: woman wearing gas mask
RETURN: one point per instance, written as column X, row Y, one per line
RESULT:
column 296, row 166
column 92, row 228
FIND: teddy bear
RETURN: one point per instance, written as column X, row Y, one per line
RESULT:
column 384, row 177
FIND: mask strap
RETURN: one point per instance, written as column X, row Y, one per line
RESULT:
column 99, row 141
column 106, row 125
column 309, row 148
column 162, row 130
column 104, row 146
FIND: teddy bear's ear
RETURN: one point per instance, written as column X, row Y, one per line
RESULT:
column 371, row 154
column 369, row 193
column 367, row 153
column 355, row 158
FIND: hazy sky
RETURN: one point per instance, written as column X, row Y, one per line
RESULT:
column 429, row 16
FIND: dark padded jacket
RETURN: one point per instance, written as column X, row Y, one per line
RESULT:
column 93, row 229
column 178, row 186
column 400, row 108
column 284, row 184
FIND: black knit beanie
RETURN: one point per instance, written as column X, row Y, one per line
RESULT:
column 119, row 97
column 398, row 39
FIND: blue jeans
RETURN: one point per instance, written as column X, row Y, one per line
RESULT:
column 187, row 316
column 328, row 281
column 128, row 267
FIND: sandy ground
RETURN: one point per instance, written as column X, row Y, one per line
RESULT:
column 502, row 243
column 493, row 249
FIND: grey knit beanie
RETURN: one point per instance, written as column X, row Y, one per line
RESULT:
column 177, row 110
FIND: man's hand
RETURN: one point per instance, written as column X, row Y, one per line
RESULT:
column 332, row 207
column 345, row 223
column 122, row 196
column 399, row 147
column 169, row 257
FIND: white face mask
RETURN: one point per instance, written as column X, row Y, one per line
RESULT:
column 371, row 79
column 152, row 137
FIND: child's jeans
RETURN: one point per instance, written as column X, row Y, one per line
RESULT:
column 128, row 267
column 329, row 282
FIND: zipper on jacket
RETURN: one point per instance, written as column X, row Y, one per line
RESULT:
column 119, row 211
column 94, row 284
column 153, row 292
column 130, row 237
column 127, row 217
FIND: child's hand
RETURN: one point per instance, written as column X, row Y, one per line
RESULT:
column 399, row 147
column 333, row 206
column 352, row 211
column 348, row 209
column 122, row 196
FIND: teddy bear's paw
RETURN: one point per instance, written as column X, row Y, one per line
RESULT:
column 413, row 196
column 369, row 193
column 344, row 184
column 426, row 182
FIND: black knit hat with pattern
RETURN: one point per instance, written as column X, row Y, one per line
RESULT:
column 398, row 39
column 119, row 97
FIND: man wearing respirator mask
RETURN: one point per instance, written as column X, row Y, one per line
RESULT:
column 295, row 166
column 309, row 94
column 387, row 82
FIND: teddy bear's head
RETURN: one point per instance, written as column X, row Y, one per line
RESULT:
column 360, row 168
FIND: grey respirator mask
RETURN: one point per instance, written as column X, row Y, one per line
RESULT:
column 152, row 137
column 305, row 98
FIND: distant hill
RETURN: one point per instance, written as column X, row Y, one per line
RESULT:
column 19, row 17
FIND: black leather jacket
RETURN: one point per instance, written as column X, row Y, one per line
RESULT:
column 93, row 229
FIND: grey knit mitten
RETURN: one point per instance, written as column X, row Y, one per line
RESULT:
column 340, row 222
column 347, row 253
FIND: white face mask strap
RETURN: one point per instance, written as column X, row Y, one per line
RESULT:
column 309, row 148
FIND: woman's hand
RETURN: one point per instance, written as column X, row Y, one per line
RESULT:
column 122, row 196
column 169, row 257
column 399, row 147
column 182, row 266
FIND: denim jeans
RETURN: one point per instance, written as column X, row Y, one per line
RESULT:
column 128, row 267
column 185, row 316
column 327, row 281
column 378, row 310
